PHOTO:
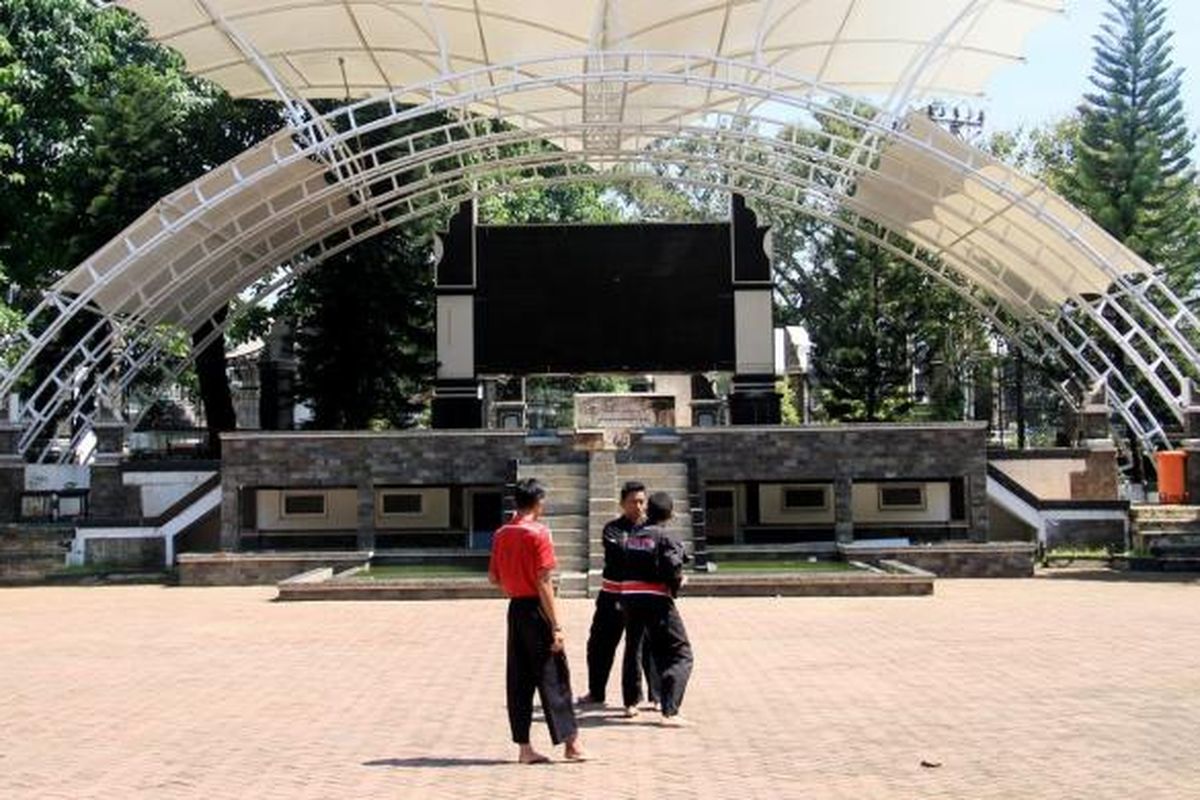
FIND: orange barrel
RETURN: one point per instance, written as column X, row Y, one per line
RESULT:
column 1172, row 487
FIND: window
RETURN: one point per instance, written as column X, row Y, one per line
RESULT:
column 303, row 505
column 902, row 498
column 805, row 498
column 404, row 503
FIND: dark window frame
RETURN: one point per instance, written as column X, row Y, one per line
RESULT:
column 286, row 496
column 388, row 494
column 789, row 508
column 921, row 505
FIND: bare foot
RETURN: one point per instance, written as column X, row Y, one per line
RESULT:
column 631, row 712
column 530, row 756
column 573, row 751
column 674, row 721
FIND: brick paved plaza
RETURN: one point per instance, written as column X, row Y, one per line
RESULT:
column 1050, row 688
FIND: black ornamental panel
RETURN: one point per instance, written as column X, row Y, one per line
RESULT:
column 603, row 298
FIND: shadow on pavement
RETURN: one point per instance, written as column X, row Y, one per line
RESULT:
column 423, row 762
column 1119, row 576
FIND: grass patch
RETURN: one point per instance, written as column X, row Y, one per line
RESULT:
column 382, row 572
column 783, row 566
column 1077, row 552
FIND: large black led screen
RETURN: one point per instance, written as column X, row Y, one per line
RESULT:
column 603, row 298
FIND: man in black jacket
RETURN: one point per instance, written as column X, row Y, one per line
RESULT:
column 653, row 567
column 609, row 620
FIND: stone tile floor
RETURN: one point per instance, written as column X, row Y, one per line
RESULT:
column 1045, row 688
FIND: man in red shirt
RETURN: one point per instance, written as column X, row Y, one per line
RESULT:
column 522, row 561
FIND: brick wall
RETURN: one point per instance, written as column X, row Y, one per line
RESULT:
column 995, row 560
column 140, row 553
column 836, row 453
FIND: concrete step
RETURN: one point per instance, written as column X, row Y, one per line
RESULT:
column 1150, row 513
column 25, row 567
column 575, row 494
column 636, row 469
column 33, row 542
column 572, row 584
column 577, row 549
column 546, row 470
column 564, row 504
column 577, row 522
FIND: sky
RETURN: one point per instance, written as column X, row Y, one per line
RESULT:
column 1059, row 59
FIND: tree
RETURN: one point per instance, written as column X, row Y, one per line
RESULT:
column 857, row 304
column 364, row 332
column 96, row 123
column 875, row 321
column 1134, row 174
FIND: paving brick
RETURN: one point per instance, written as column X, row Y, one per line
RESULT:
column 1037, row 688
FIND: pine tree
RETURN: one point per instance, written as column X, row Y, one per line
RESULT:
column 1133, row 173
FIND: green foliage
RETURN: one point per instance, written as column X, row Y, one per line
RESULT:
column 97, row 122
column 364, row 333
column 1045, row 152
column 860, row 308
column 789, row 411
column 1134, row 173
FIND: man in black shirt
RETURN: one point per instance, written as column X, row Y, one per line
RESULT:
column 653, row 567
column 609, row 620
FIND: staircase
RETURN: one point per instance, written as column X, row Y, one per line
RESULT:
column 671, row 478
column 582, row 498
column 29, row 552
column 1166, row 531
column 567, row 517
column 607, row 477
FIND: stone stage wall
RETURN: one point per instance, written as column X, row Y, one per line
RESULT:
column 835, row 454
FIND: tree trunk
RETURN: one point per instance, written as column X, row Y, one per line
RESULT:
column 214, row 383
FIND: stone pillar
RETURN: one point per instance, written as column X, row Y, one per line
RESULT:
column 12, row 471
column 975, row 487
column 1093, row 419
column 107, row 495
column 457, row 404
column 1191, row 446
column 366, row 514
column 457, row 394
column 754, row 400
column 231, row 514
column 843, row 512
column 277, row 379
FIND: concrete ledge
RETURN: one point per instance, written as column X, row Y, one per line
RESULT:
column 318, row 575
column 897, row 580
column 954, row 560
column 398, row 589
column 810, row 584
column 1156, row 564
column 258, row 569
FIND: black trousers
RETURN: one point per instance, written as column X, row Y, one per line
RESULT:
column 532, row 666
column 609, row 623
column 638, row 659
column 657, row 620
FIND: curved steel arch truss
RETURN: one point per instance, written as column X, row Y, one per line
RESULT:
column 1019, row 254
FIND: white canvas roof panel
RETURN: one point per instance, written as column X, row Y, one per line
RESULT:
column 340, row 48
column 244, row 194
column 979, row 217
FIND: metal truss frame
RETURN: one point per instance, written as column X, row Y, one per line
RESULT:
column 398, row 178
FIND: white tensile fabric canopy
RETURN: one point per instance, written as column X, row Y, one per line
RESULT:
column 608, row 81
column 1006, row 229
column 353, row 48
